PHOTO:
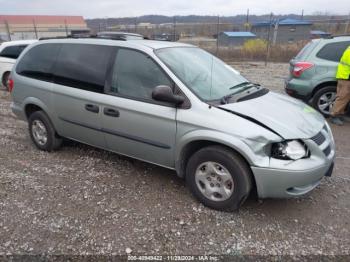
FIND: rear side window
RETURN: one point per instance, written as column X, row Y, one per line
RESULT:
column 38, row 62
column 333, row 51
column 83, row 66
column 12, row 51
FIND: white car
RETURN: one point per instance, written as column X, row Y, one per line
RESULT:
column 9, row 51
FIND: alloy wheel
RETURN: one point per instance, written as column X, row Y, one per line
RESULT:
column 325, row 102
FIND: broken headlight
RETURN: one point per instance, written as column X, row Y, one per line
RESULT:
column 289, row 150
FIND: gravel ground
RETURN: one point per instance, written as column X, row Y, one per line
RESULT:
column 82, row 200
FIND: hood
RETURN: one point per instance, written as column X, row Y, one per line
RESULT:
column 288, row 117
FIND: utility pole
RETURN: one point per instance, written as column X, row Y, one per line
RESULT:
column 268, row 40
column 65, row 26
column 174, row 28
column 247, row 21
column 347, row 25
column 217, row 35
column 275, row 32
column 135, row 24
column 35, row 30
column 302, row 14
column 8, row 30
column 106, row 22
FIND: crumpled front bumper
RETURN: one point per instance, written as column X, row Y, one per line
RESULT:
column 286, row 179
column 274, row 183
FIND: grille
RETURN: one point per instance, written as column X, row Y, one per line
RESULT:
column 327, row 151
column 319, row 138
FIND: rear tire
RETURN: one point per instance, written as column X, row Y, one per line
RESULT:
column 324, row 99
column 42, row 132
column 219, row 178
column 5, row 79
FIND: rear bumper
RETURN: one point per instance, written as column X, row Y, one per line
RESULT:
column 299, row 89
column 275, row 183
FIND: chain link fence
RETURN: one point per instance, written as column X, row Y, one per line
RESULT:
column 273, row 40
column 10, row 32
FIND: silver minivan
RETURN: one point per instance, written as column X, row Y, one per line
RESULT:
column 176, row 106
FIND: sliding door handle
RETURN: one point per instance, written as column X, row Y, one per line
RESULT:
column 111, row 112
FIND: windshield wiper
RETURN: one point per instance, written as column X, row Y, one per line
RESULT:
column 240, row 84
column 245, row 86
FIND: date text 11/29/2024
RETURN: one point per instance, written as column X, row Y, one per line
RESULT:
column 172, row 258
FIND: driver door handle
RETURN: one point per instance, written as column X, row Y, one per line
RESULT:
column 92, row 108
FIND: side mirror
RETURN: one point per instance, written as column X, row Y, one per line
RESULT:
column 165, row 94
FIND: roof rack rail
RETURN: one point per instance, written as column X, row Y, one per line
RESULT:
column 83, row 37
column 341, row 35
column 334, row 36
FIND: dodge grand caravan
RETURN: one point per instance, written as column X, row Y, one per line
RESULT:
column 176, row 106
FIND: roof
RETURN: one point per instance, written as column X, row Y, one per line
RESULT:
column 152, row 44
column 290, row 21
column 239, row 34
column 41, row 19
column 15, row 43
column 19, row 42
column 287, row 21
column 319, row 32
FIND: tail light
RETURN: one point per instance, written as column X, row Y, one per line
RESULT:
column 300, row 67
column 10, row 84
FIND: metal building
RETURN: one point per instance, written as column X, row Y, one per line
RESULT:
column 234, row 38
column 283, row 31
column 20, row 27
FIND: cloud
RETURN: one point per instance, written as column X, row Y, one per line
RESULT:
column 124, row 8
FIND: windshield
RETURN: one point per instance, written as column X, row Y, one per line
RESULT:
column 207, row 76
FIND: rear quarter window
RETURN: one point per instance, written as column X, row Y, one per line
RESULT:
column 333, row 51
column 38, row 62
column 306, row 49
column 83, row 66
column 12, row 51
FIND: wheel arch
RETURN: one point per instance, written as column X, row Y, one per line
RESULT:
column 322, row 85
column 3, row 76
column 191, row 143
column 193, row 146
column 32, row 105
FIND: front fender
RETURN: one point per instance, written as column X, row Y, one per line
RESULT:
column 252, row 151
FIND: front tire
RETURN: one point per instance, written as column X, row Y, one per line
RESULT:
column 42, row 132
column 219, row 178
column 324, row 99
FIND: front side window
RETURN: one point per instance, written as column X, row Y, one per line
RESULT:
column 135, row 75
column 38, row 62
column 12, row 51
column 83, row 66
column 333, row 51
column 207, row 76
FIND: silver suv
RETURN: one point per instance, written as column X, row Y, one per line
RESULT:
column 176, row 106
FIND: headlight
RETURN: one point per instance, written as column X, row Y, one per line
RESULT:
column 289, row 150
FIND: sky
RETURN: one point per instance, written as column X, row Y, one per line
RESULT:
column 127, row 8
